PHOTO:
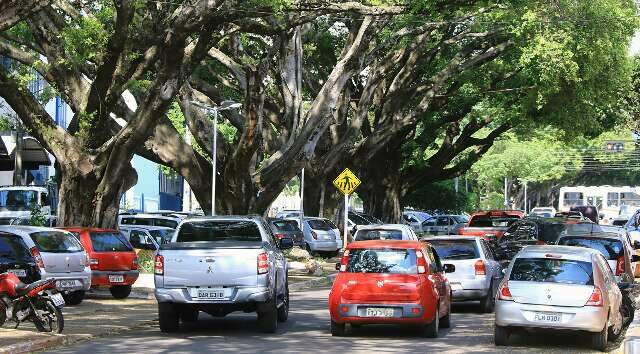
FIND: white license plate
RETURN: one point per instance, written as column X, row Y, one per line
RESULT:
column 67, row 284
column 456, row 286
column 18, row 272
column 116, row 279
column 57, row 299
column 379, row 312
column 209, row 293
column 547, row 317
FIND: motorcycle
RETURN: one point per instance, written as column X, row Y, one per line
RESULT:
column 37, row 302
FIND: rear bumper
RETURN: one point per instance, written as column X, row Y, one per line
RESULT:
column 402, row 313
column 83, row 279
column 101, row 277
column 469, row 289
column 587, row 318
column 239, row 295
column 323, row 245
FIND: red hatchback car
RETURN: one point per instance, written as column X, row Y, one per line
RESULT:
column 113, row 260
column 391, row 282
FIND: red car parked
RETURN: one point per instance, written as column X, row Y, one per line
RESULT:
column 391, row 282
column 113, row 260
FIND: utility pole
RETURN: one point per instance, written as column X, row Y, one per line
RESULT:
column 506, row 194
column 17, row 151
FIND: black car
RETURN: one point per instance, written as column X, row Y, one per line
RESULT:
column 283, row 228
column 534, row 231
column 16, row 258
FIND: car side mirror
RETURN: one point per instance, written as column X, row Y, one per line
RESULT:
column 285, row 243
column 449, row 268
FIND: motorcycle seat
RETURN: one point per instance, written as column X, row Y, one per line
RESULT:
column 23, row 289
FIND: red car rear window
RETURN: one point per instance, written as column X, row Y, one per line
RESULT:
column 109, row 242
column 387, row 260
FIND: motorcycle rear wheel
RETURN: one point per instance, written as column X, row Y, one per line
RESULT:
column 50, row 319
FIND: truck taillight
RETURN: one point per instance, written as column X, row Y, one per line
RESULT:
column 480, row 267
column 596, row 298
column 135, row 263
column 263, row 263
column 158, row 268
column 421, row 262
column 37, row 257
column 620, row 265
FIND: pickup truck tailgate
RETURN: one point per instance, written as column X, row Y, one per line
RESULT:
column 211, row 267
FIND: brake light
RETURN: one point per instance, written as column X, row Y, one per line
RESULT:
column 421, row 262
column 279, row 236
column 480, row 267
column 620, row 265
column 540, row 242
column 504, row 293
column 37, row 257
column 314, row 235
column 263, row 263
column 135, row 263
column 344, row 261
column 158, row 268
column 596, row 297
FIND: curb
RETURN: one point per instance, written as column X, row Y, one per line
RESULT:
column 324, row 281
column 35, row 345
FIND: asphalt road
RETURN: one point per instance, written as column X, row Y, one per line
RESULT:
column 308, row 331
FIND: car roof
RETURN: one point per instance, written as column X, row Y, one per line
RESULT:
column 609, row 235
column 25, row 229
column 146, row 227
column 384, row 244
column 451, row 237
column 383, row 227
column 151, row 216
column 567, row 252
column 223, row 218
column 498, row 213
column 86, row 228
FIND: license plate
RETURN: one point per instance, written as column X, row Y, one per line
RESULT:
column 57, row 299
column 547, row 317
column 456, row 286
column 18, row 272
column 116, row 279
column 67, row 284
column 209, row 294
column 379, row 312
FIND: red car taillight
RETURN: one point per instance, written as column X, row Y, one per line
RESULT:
column 37, row 257
column 596, row 298
column 620, row 265
column 134, row 265
column 480, row 267
column 504, row 293
column 93, row 263
column 158, row 268
column 421, row 262
column 263, row 263
column 344, row 261
column 279, row 236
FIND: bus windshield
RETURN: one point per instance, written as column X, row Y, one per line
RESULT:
column 17, row 200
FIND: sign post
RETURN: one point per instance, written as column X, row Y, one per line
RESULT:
column 346, row 182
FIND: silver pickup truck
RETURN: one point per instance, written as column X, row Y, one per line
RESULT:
column 219, row 265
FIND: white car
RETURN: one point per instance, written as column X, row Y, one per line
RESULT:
column 559, row 287
column 385, row 232
column 126, row 219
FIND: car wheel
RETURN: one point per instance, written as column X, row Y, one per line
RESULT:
column 337, row 329
column 3, row 316
column 431, row 330
column 445, row 321
column 599, row 340
column 168, row 318
column 120, row 291
column 268, row 318
column 189, row 316
column 308, row 248
column 283, row 310
column 501, row 335
column 488, row 302
column 73, row 298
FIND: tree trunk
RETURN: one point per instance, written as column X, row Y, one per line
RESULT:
column 382, row 185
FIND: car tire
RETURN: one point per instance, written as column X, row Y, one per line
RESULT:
column 74, row 298
column 501, row 335
column 268, row 319
column 337, row 329
column 3, row 316
column 168, row 318
column 445, row 321
column 599, row 340
column 120, row 291
column 487, row 303
column 189, row 316
column 308, row 248
column 431, row 330
column 283, row 310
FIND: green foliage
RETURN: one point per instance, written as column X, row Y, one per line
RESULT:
column 38, row 218
column 441, row 196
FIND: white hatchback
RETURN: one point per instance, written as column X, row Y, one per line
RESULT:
column 559, row 287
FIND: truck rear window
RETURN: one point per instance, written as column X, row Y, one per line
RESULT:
column 552, row 271
column 56, row 242
column 12, row 249
column 212, row 231
column 456, row 249
column 109, row 242
column 611, row 249
column 397, row 261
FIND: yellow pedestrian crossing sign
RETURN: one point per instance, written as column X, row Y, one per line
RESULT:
column 346, row 182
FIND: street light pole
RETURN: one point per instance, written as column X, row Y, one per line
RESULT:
column 226, row 105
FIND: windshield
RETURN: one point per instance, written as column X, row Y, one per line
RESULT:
column 149, row 221
column 12, row 249
column 109, row 242
column 456, row 249
column 398, row 261
column 460, row 219
column 17, row 200
column 213, row 231
column 56, row 242
column 492, row 221
column 611, row 249
column 162, row 236
column 378, row 234
column 321, row 224
column 552, row 271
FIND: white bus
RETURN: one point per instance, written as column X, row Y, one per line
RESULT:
column 607, row 199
